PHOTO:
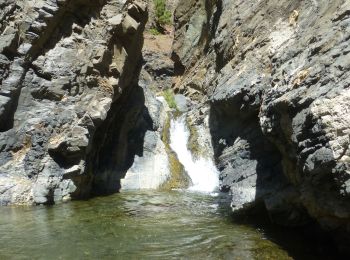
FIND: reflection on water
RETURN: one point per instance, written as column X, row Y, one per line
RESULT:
column 132, row 225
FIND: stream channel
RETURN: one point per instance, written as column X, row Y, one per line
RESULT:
column 179, row 224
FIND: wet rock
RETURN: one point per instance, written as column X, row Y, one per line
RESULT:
column 150, row 170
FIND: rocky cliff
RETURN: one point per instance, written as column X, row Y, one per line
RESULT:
column 70, row 103
column 275, row 75
column 268, row 82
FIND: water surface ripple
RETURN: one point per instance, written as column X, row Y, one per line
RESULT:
column 132, row 225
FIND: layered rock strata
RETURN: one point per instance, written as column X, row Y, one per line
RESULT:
column 66, row 68
column 276, row 77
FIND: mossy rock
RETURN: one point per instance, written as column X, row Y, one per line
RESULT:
column 178, row 177
column 193, row 145
column 170, row 99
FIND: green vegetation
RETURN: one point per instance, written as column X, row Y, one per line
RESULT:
column 154, row 31
column 178, row 178
column 162, row 14
column 169, row 98
column 193, row 144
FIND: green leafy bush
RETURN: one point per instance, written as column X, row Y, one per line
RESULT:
column 163, row 15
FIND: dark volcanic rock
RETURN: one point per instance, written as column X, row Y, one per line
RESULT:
column 276, row 74
column 64, row 65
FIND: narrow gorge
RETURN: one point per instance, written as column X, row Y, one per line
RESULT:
column 196, row 129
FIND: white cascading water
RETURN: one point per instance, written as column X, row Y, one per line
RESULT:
column 202, row 171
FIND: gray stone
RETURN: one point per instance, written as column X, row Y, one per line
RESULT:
column 278, row 89
column 116, row 20
column 152, row 169
column 55, row 93
column 181, row 102
column 7, row 42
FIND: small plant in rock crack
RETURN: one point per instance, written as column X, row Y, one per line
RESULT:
column 154, row 31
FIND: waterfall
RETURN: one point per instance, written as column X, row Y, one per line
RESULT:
column 202, row 171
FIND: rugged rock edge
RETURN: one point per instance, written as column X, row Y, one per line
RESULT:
column 65, row 67
column 275, row 75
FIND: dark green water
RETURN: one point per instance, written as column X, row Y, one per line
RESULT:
column 133, row 225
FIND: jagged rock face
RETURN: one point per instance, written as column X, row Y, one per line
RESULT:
column 157, row 62
column 276, row 75
column 150, row 168
column 131, row 154
column 65, row 68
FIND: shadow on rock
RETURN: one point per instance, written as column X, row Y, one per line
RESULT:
column 249, row 164
column 118, row 140
column 260, row 167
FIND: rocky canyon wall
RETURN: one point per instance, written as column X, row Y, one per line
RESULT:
column 270, row 79
column 275, row 75
column 69, row 90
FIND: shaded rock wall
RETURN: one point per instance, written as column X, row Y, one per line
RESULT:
column 65, row 67
column 275, row 74
column 130, row 155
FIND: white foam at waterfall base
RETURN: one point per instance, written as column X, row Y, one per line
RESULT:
column 202, row 171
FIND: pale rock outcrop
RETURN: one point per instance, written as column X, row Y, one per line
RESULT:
column 150, row 168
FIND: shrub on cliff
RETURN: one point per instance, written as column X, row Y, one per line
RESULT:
column 162, row 14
